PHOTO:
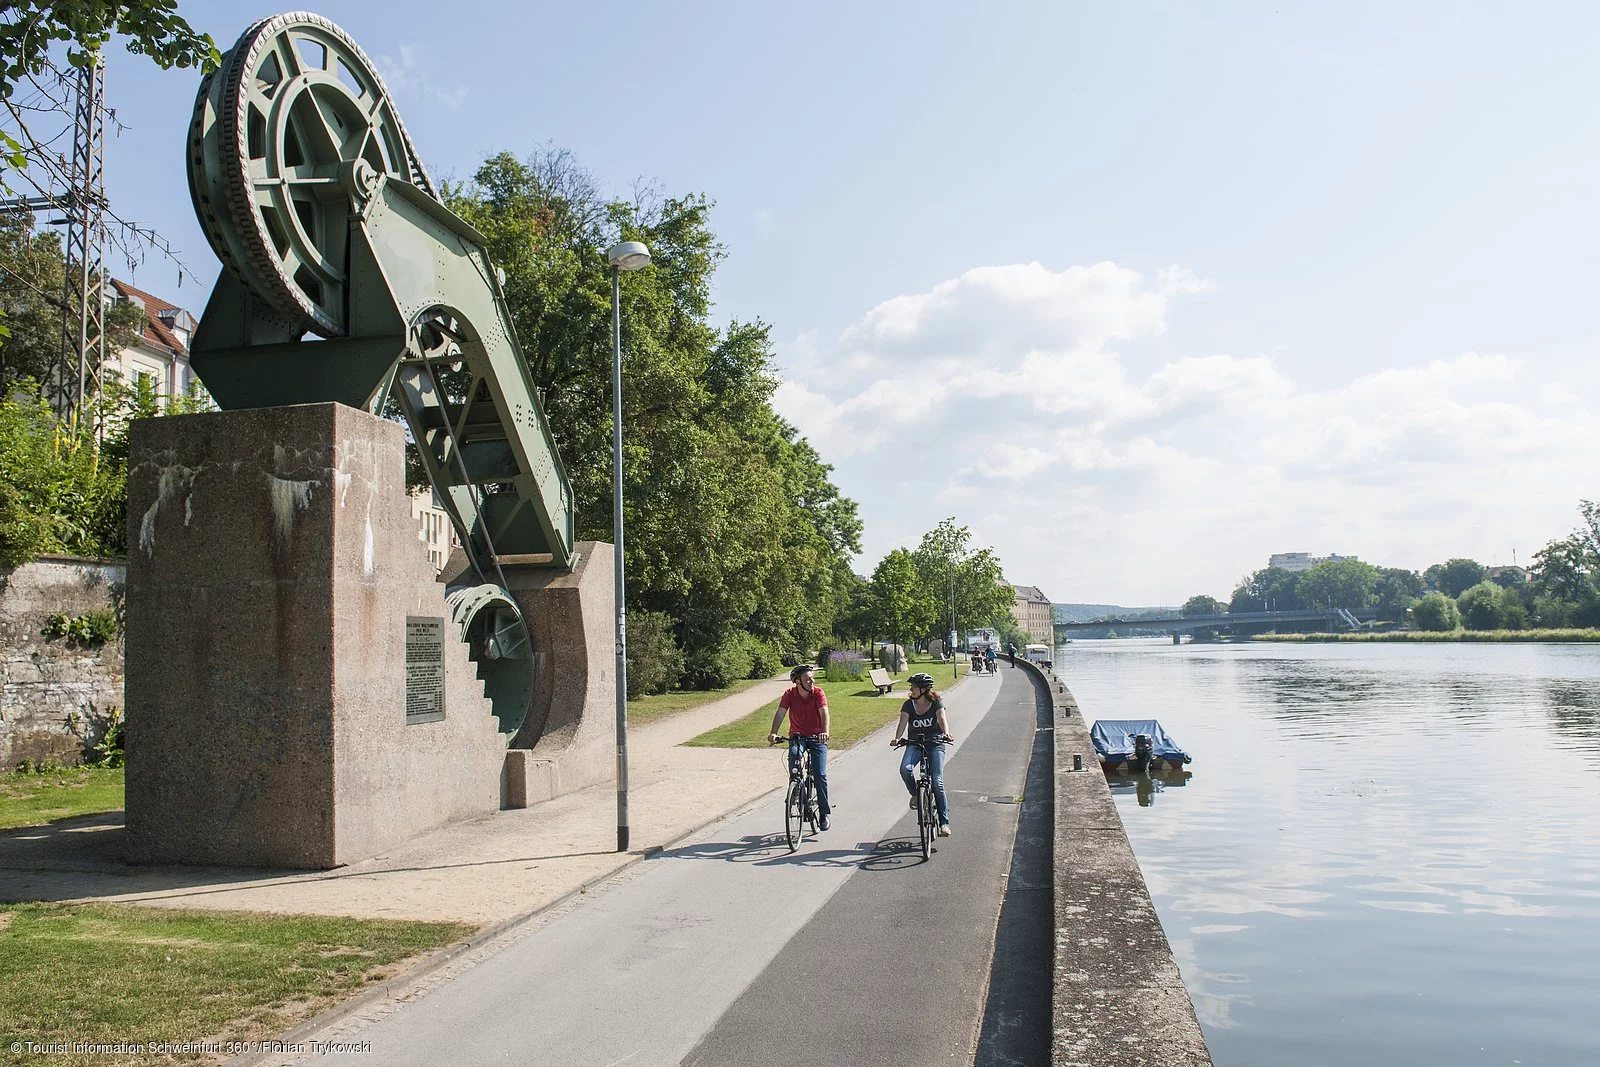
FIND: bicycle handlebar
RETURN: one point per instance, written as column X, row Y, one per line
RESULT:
column 901, row 742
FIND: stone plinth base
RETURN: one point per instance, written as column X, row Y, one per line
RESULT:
column 272, row 566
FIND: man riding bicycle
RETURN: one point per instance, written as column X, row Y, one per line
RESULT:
column 807, row 708
column 922, row 724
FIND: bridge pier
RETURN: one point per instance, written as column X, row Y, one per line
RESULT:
column 1177, row 638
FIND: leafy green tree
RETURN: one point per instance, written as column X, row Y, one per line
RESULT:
column 1269, row 589
column 983, row 597
column 1339, row 583
column 1436, row 612
column 32, row 272
column 1482, row 607
column 1516, row 607
column 1396, row 590
column 1454, row 576
column 1012, row 634
column 654, row 660
column 1565, row 570
column 1566, row 575
column 734, row 524
column 1201, row 604
column 853, row 625
column 901, row 606
column 30, row 28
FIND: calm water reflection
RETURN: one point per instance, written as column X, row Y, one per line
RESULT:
column 1387, row 854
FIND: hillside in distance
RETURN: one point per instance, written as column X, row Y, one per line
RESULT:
column 1089, row 612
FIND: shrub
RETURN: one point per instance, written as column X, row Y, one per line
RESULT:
column 765, row 659
column 654, row 660
column 58, row 492
column 1436, row 612
column 845, row 666
column 100, row 734
column 1482, row 606
column 722, row 664
column 90, row 628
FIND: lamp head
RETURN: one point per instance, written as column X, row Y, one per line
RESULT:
column 628, row 255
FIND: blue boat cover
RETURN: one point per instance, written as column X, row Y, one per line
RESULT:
column 1113, row 739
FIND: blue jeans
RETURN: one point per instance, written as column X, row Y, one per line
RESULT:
column 819, row 765
column 908, row 772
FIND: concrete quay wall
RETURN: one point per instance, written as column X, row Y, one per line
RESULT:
column 1118, row 999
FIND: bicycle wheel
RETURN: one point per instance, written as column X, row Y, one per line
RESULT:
column 926, row 817
column 793, row 812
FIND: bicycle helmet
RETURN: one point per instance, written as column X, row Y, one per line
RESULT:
column 799, row 669
column 921, row 681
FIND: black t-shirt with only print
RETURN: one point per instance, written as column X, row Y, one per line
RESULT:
column 923, row 726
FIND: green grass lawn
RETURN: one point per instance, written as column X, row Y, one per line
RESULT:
column 35, row 798
column 658, row 706
column 854, row 711
column 107, row 973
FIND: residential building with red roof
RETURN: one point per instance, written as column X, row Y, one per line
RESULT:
column 162, row 351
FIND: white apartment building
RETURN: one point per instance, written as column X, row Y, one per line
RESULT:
column 1300, row 561
column 433, row 527
column 162, row 351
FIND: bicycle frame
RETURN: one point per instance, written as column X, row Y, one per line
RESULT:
column 800, row 801
column 927, row 809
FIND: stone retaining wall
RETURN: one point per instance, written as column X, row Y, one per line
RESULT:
column 1118, row 998
column 44, row 679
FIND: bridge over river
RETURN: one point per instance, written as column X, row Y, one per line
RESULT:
column 1247, row 621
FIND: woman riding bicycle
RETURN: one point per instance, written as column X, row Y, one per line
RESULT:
column 807, row 709
column 922, row 724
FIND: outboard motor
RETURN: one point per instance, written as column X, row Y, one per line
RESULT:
column 1143, row 749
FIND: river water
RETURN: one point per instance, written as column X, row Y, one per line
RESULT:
column 1386, row 853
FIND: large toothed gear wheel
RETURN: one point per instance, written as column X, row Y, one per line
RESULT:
column 291, row 123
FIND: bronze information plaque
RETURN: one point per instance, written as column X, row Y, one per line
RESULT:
column 424, row 669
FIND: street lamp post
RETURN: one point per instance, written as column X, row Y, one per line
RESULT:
column 629, row 256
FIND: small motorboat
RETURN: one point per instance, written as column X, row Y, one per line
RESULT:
column 1136, row 746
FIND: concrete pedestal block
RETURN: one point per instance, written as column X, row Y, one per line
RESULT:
column 272, row 566
column 569, row 739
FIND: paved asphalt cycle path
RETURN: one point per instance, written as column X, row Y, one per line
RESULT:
column 895, row 970
column 721, row 951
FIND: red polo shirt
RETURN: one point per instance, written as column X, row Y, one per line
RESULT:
column 805, row 712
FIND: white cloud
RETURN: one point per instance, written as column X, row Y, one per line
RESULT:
column 1001, row 396
column 405, row 76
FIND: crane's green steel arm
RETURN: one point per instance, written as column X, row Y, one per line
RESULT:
column 423, row 297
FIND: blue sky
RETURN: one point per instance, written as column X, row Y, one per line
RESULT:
column 1140, row 292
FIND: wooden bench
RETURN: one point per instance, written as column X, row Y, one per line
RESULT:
column 881, row 679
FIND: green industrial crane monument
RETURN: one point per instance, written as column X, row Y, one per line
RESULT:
column 346, row 281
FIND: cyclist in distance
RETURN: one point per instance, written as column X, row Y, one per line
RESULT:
column 807, row 708
column 922, row 724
